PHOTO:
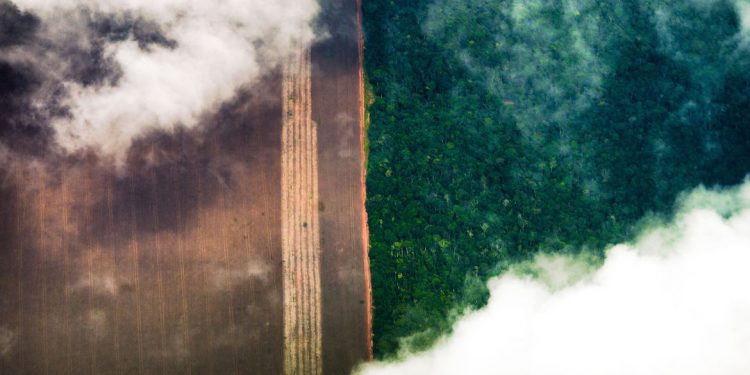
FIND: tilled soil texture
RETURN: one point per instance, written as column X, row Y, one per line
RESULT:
column 337, row 108
column 186, row 259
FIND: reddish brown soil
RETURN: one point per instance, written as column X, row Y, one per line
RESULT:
column 173, row 265
column 169, row 268
column 337, row 108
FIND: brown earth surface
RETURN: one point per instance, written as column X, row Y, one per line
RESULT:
column 173, row 264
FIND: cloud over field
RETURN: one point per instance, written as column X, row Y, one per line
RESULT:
column 7, row 342
column 104, row 72
column 675, row 301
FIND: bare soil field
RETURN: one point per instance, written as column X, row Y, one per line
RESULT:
column 337, row 106
column 237, row 248
column 172, row 268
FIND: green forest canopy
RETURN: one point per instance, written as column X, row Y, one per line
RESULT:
column 502, row 128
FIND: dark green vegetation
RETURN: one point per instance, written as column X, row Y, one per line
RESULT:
column 503, row 128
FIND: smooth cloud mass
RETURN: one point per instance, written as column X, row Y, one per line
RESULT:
column 677, row 301
column 154, row 64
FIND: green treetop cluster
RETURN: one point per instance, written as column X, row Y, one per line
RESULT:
column 502, row 128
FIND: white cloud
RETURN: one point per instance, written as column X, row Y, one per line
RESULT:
column 255, row 270
column 220, row 47
column 7, row 342
column 743, row 8
column 104, row 285
column 677, row 301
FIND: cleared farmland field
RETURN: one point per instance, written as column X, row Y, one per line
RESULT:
column 238, row 248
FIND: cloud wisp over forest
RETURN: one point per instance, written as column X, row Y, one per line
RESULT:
column 674, row 301
column 93, row 74
column 505, row 128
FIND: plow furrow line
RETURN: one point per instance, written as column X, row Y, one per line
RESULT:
column 300, row 231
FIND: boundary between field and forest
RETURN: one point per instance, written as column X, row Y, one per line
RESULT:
column 364, row 122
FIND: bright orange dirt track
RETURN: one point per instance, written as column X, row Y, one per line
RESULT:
column 238, row 248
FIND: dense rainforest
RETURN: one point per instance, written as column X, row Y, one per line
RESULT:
column 499, row 129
